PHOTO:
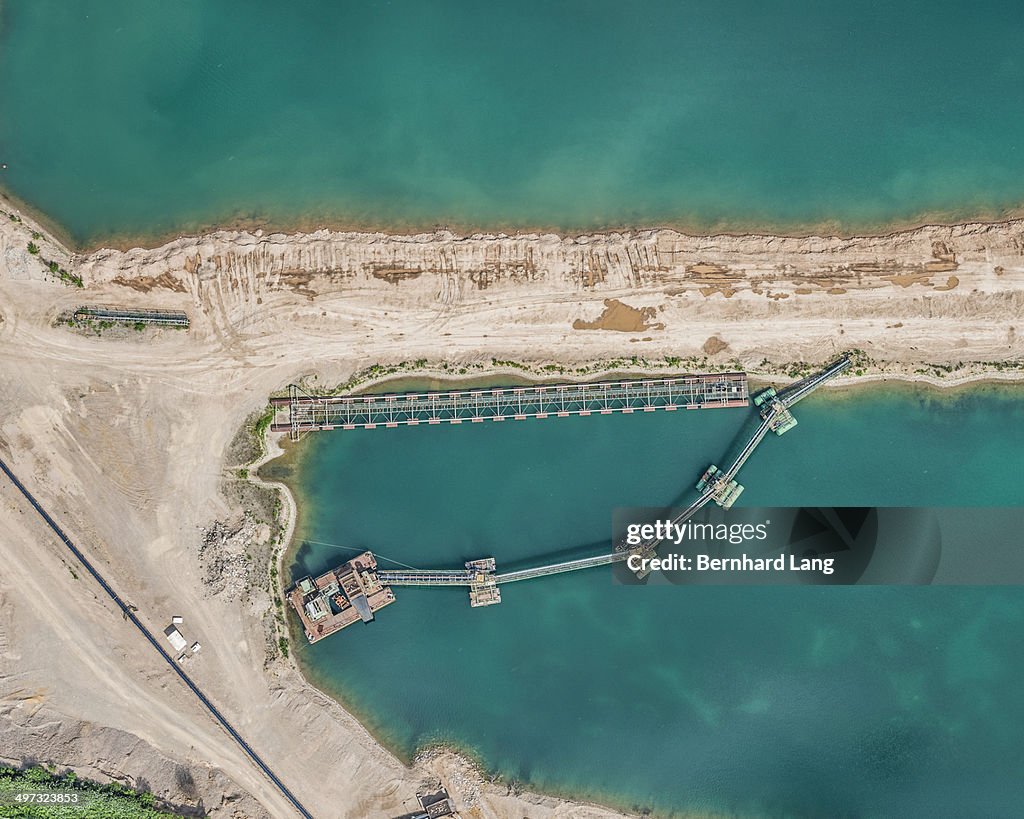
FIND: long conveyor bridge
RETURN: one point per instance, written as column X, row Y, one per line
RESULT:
column 299, row 413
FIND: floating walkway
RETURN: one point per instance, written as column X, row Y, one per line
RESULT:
column 300, row 413
column 426, row 577
column 311, row 597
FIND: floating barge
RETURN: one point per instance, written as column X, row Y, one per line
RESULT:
column 724, row 490
column 772, row 408
column 355, row 590
column 347, row 594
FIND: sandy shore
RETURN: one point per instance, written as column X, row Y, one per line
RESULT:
column 125, row 438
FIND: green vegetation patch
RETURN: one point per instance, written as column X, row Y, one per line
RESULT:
column 72, row 279
column 37, row 792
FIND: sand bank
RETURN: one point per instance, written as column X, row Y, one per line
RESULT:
column 126, row 439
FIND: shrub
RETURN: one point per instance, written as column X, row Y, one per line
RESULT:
column 111, row 800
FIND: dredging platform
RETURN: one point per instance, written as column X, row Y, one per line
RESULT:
column 340, row 597
column 353, row 591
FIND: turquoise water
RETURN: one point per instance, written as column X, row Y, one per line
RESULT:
column 856, row 701
column 133, row 118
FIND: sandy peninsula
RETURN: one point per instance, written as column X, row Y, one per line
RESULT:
column 129, row 439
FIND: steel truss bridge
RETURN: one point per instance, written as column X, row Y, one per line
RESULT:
column 771, row 412
column 300, row 413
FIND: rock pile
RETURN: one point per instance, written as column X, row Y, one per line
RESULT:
column 225, row 557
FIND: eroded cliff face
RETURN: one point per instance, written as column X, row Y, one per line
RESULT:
column 933, row 258
column 667, row 291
